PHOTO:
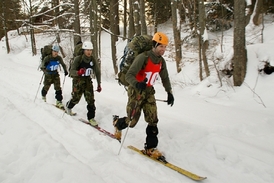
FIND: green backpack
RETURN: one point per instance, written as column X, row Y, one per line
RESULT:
column 76, row 52
column 136, row 46
column 45, row 51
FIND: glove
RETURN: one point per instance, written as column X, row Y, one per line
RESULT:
column 99, row 88
column 170, row 99
column 81, row 71
column 66, row 73
column 141, row 85
column 44, row 71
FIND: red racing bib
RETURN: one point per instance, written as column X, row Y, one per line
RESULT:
column 151, row 72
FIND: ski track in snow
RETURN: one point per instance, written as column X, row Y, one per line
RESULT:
column 73, row 139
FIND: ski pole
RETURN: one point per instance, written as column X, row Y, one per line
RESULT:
column 39, row 86
column 63, row 83
column 160, row 100
column 131, row 118
column 65, row 108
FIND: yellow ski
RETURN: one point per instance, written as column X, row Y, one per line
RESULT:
column 171, row 166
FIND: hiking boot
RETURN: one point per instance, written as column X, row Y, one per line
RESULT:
column 44, row 98
column 59, row 104
column 154, row 153
column 117, row 133
column 93, row 122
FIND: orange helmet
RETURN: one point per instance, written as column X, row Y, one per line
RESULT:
column 161, row 38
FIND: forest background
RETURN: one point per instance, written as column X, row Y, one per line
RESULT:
column 86, row 19
column 222, row 132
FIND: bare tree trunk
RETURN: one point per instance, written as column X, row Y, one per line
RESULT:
column 136, row 10
column 143, row 17
column 114, row 38
column 5, row 26
column 55, row 3
column 77, row 29
column 193, row 22
column 240, row 54
column 202, row 21
column 94, row 28
column 200, row 59
column 125, row 19
column 117, row 18
column 155, row 16
column 222, row 35
column 257, row 18
column 131, row 30
column 32, row 37
column 99, row 29
column 176, row 33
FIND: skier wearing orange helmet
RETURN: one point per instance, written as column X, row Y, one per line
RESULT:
column 141, row 76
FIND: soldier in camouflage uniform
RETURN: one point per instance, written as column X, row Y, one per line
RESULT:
column 81, row 72
column 141, row 77
column 50, row 66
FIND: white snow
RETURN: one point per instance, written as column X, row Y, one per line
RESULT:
column 224, row 133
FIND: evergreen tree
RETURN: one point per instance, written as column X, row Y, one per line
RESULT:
column 10, row 13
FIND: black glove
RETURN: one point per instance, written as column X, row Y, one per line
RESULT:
column 66, row 73
column 141, row 85
column 170, row 99
column 44, row 71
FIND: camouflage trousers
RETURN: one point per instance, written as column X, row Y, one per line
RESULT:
column 55, row 80
column 138, row 101
column 80, row 86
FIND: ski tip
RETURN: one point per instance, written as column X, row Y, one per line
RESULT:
column 162, row 159
column 201, row 178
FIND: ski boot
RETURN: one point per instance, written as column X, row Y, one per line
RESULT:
column 59, row 104
column 117, row 133
column 69, row 111
column 93, row 122
column 154, row 153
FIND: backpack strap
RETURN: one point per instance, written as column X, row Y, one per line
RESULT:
column 146, row 61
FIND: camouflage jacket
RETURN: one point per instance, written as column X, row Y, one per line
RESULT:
column 48, row 59
column 139, row 63
column 76, row 65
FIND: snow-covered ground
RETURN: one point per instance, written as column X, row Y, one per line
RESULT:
column 224, row 133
